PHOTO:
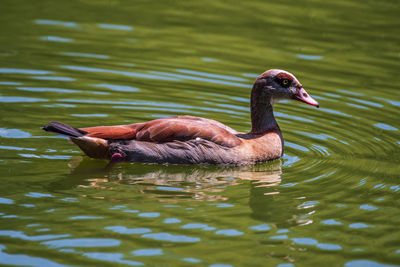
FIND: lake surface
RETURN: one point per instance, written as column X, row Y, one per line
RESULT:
column 332, row 199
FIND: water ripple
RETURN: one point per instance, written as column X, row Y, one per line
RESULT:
column 359, row 225
column 212, row 75
column 88, row 55
column 43, row 156
column 56, row 23
column 21, row 235
column 202, row 226
column 90, row 115
column 149, row 214
column 148, row 252
column 56, row 39
column 368, row 207
column 15, row 133
column 366, row 263
column 261, row 227
column 119, row 88
column 309, row 57
column 42, row 89
column 115, row 27
column 200, row 79
column 124, row 230
column 111, row 257
column 38, row 195
column 124, row 73
column 4, row 200
column 25, row 260
column 17, row 99
column 191, row 260
column 54, row 78
column 229, row 232
column 385, row 126
column 171, row 220
column 171, row 238
column 325, row 246
column 305, row 241
column 85, row 217
column 82, row 243
column 10, row 83
column 24, row 71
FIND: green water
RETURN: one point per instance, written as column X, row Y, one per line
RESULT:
column 332, row 199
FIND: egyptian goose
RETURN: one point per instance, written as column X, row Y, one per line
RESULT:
column 195, row 140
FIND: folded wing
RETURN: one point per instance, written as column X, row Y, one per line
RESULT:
column 169, row 129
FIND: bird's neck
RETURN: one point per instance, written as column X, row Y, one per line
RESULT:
column 262, row 115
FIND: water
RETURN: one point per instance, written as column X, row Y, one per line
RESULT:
column 332, row 199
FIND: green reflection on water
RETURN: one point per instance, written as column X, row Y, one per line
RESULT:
column 332, row 198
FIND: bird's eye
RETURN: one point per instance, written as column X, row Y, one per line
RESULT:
column 285, row 82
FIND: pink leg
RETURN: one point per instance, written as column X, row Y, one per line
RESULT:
column 115, row 158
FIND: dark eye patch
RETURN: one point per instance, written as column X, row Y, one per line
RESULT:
column 284, row 82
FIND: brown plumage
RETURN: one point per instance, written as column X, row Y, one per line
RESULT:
column 169, row 129
column 194, row 140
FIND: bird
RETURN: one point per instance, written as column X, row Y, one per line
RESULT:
column 194, row 140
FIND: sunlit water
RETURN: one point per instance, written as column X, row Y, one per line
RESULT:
column 333, row 198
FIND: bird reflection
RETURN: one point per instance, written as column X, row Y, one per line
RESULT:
column 178, row 180
column 173, row 183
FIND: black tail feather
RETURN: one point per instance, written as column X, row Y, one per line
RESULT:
column 61, row 128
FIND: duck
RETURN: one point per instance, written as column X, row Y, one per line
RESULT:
column 194, row 140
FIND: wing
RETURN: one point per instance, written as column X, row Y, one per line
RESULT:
column 168, row 129
column 119, row 132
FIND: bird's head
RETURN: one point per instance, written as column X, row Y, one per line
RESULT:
column 275, row 85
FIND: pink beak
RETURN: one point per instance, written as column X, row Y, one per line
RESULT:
column 302, row 96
